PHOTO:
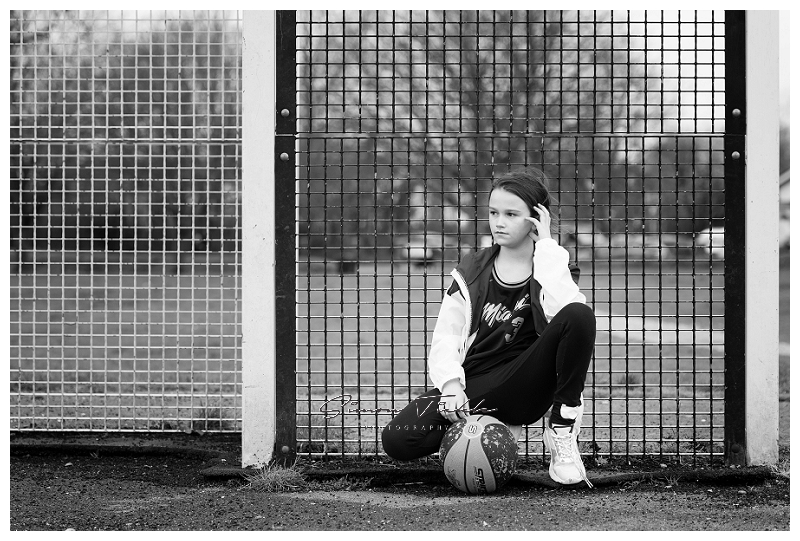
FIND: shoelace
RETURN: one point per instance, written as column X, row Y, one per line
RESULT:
column 564, row 449
column 563, row 446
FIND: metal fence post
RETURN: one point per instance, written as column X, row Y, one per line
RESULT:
column 751, row 230
column 285, row 224
column 258, row 239
column 735, row 249
column 762, row 214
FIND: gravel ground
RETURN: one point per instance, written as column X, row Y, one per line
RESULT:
column 94, row 489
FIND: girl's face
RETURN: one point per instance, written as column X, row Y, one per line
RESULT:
column 507, row 221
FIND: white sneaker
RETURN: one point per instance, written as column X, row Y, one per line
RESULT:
column 561, row 441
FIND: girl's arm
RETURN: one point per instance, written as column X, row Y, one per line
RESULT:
column 551, row 270
column 444, row 359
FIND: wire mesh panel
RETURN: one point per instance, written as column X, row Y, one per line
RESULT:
column 125, row 182
column 403, row 120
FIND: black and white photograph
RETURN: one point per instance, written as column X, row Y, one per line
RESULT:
column 399, row 270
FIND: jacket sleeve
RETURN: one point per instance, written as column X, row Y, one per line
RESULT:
column 551, row 269
column 444, row 359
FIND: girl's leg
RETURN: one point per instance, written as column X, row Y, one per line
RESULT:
column 417, row 430
column 552, row 370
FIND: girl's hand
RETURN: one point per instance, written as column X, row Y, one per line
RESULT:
column 454, row 404
column 541, row 227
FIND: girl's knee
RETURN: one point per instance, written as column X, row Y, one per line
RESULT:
column 396, row 443
column 580, row 314
column 579, row 309
column 411, row 441
column 392, row 443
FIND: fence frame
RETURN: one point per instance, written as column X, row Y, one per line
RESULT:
column 751, row 272
column 735, row 253
column 268, row 237
column 751, row 253
column 286, row 241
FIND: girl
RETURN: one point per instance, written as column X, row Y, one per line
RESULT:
column 514, row 336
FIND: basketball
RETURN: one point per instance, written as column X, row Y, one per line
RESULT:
column 479, row 454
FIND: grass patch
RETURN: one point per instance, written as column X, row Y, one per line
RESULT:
column 781, row 469
column 673, row 480
column 275, row 478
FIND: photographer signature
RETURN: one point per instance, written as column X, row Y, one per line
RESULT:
column 344, row 404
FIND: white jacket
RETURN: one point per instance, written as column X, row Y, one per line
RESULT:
column 451, row 335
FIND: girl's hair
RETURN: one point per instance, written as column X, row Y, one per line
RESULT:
column 530, row 185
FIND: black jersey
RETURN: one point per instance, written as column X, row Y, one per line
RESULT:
column 506, row 326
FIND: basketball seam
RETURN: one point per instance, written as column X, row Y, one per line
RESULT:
column 466, row 457
column 466, row 461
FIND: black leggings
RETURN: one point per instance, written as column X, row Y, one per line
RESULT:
column 553, row 369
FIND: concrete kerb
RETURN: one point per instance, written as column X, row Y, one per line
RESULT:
column 220, row 463
column 381, row 477
column 217, row 447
